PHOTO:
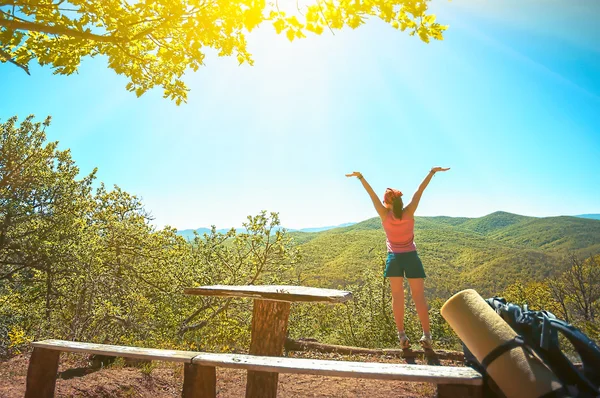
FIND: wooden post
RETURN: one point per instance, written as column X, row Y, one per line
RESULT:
column 459, row 391
column 269, row 327
column 41, row 374
column 199, row 381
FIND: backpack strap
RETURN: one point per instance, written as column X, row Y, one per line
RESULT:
column 502, row 348
column 518, row 341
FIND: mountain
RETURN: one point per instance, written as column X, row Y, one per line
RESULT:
column 592, row 216
column 320, row 229
column 494, row 222
column 487, row 253
column 188, row 234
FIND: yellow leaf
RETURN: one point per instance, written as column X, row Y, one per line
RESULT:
column 311, row 16
column 290, row 34
column 253, row 17
column 354, row 22
column 279, row 25
column 429, row 19
column 294, row 22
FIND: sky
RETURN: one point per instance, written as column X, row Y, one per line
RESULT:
column 510, row 100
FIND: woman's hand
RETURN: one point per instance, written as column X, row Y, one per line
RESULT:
column 436, row 169
column 355, row 174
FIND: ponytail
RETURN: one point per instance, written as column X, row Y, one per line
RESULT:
column 398, row 207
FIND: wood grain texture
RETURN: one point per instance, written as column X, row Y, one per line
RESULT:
column 263, row 369
column 269, row 328
column 117, row 351
column 363, row 370
column 41, row 374
column 199, row 381
column 274, row 292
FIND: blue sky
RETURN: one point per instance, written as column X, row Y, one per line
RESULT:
column 510, row 100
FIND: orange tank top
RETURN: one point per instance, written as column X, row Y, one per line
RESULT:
column 400, row 234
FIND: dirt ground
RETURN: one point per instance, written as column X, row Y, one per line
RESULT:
column 77, row 379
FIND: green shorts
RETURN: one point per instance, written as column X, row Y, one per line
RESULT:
column 407, row 265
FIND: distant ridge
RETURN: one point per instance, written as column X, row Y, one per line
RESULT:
column 592, row 216
column 495, row 221
column 188, row 234
column 319, row 229
column 484, row 225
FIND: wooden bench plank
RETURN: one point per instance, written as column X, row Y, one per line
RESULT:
column 366, row 370
column 200, row 368
column 274, row 292
column 117, row 351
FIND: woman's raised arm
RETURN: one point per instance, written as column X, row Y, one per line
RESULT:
column 381, row 210
column 414, row 203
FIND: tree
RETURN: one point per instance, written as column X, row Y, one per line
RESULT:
column 39, row 196
column 261, row 253
column 536, row 295
column 153, row 43
column 127, row 277
column 577, row 290
column 41, row 206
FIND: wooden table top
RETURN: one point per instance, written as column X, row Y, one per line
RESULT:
column 273, row 292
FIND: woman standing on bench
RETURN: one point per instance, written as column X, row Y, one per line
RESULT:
column 403, row 261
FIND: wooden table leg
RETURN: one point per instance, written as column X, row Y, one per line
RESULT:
column 269, row 327
column 41, row 374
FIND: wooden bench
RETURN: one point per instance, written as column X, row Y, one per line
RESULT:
column 200, row 369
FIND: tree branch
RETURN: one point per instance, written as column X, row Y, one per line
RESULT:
column 59, row 30
column 202, row 324
column 8, row 58
column 196, row 313
column 11, row 273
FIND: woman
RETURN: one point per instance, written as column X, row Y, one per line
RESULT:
column 403, row 261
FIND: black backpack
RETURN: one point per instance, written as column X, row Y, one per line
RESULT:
column 538, row 331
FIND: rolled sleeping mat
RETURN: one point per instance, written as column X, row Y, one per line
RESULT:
column 517, row 372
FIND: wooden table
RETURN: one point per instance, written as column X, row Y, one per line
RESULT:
column 269, row 321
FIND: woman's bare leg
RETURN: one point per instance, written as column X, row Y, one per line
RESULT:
column 417, row 290
column 397, row 285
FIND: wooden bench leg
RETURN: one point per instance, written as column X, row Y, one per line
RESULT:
column 41, row 374
column 459, row 391
column 269, row 326
column 199, row 381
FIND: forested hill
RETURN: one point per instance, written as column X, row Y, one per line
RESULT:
column 487, row 253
